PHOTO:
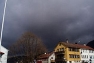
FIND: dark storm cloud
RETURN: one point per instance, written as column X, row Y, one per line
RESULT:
column 51, row 20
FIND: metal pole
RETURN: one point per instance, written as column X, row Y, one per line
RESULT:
column 3, row 22
column 2, row 25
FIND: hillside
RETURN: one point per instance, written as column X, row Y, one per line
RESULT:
column 91, row 44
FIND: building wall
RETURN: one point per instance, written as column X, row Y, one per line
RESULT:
column 67, row 53
column 72, row 53
column 44, row 61
column 4, row 56
column 91, row 54
column 73, row 62
column 51, row 58
column 86, row 55
column 59, row 48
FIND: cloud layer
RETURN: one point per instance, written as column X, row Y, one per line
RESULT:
column 51, row 20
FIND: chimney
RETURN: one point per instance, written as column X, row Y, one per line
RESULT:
column 67, row 41
column 84, row 44
column 75, row 42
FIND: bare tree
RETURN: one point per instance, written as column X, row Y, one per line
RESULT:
column 29, row 45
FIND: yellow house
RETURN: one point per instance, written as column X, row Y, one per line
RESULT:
column 67, row 53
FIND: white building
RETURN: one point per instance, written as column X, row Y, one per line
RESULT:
column 4, row 52
column 46, row 58
column 87, row 54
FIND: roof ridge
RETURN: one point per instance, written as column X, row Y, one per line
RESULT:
column 77, row 45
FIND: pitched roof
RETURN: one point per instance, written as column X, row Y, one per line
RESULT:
column 84, row 47
column 45, row 56
column 76, row 45
column 69, row 44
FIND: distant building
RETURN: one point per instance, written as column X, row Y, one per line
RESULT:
column 46, row 58
column 3, row 55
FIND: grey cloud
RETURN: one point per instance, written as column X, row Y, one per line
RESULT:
column 52, row 20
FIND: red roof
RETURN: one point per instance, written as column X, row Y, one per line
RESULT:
column 76, row 45
column 44, row 56
column 84, row 47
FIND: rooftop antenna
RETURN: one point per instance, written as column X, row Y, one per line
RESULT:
column 3, row 23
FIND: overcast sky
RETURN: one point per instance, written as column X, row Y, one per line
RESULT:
column 51, row 20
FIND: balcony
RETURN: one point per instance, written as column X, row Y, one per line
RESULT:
column 59, row 59
column 60, row 52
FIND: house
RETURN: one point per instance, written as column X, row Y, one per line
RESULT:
column 3, row 55
column 67, row 53
column 87, row 54
column 46, row 58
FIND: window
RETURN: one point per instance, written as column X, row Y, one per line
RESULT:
column 57, row 49
column 70, row 49
column 78, row 56
column 74, row 49
column 93, row 57
column 92, row 51
column 86, row 50
column 82, row 56
column 74, row 56
column 77, row 50
column 70, row 56
column 70, row 62
column 62, row 49
column 83, row 50
column 87, row 56
column 51, row 57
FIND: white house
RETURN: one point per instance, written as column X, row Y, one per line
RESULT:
column 4, row 53
column 46, row 58
column 87, row 54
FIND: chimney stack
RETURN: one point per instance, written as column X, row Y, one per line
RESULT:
column 67, row 41
column 84, row 44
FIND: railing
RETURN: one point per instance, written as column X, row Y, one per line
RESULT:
column 60, row 52
column 59, row 59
